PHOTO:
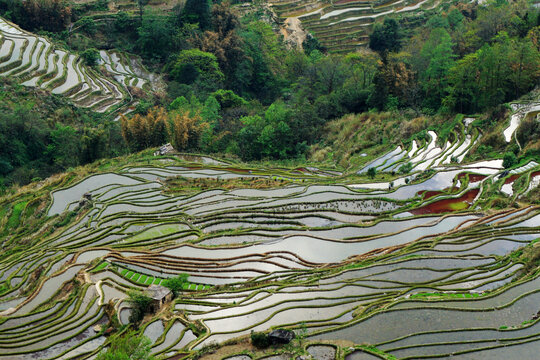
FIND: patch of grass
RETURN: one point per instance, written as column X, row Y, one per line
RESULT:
column 101, row 266
column 181, row 185
column 445, row 295
column 157, row 231
column 15, row 217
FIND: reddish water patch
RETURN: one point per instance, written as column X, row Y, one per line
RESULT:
column 511, row 179
column 472, row 177
column 236, row 170
column 429, row 194
column 448, row 205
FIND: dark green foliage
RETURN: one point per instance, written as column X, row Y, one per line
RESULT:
column 194, row 64
column 35, row 144
column 509, row 160
column 142, row 4
column 372, row 172
column 90, row 56
column 494, row 74
column 228, row 99
column 197, row 12
column 122, row 22
column 260, row 340
column 176, row 284
column 528, row 130
column 406, row 168
column 156, row 36
column 140, row 305
column 185, row 73
column 385, row 37
column 311, row 43
column 63, row 147
column 66, row 219
column 268, row 137
column 130, row 346
column 35, row 15
column 86, row 25
column 437, row 52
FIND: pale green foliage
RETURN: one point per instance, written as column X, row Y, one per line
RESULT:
column 176, row 284
column 130, row 346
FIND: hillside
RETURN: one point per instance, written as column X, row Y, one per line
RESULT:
column 439, row 243
column 34, row 61
column 325, row 180
column 343, row 26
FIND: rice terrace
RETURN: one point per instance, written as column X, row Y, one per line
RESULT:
column 243, row 196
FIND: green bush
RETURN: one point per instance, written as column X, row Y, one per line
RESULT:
column 509, row 160
column 406, row 168
column 260, row 340
column 90, row 57
column 140, row 304
column 129, row 346
column 176, row 284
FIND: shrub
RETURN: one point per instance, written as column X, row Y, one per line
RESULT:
column 129, row 346
column 176, row 284
column 509, row 160
column 260, row 340
column 372, row 172
column 406, row 168
column 140, row 304
column 87, row 25
column 122, row 22
column 90, row 56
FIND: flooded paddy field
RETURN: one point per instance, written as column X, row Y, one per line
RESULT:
column 36, row 62
column 416, row 270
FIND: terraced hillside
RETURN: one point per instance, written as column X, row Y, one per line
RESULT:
column 344, row 25
column 420, row 267
column 35, row 61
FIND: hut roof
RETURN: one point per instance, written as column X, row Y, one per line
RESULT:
column 158, row 292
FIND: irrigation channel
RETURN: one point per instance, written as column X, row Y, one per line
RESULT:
column 411, row 269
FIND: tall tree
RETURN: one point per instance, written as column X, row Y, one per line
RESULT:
column 464, row 86
column 141, row 132
column 385, row 37
column 50, row 15
column 141, row 4
column 197, row 12
column 156, row 36
column 437, row 52
column 185, row 129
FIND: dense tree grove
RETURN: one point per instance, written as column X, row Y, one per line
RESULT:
column 49, row 15
column 462, row 60
column 34, row 144
column 234, row 87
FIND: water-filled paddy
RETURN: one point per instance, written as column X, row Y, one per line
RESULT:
column 313, row 255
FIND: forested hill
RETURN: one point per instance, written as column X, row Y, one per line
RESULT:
column 225, row 78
